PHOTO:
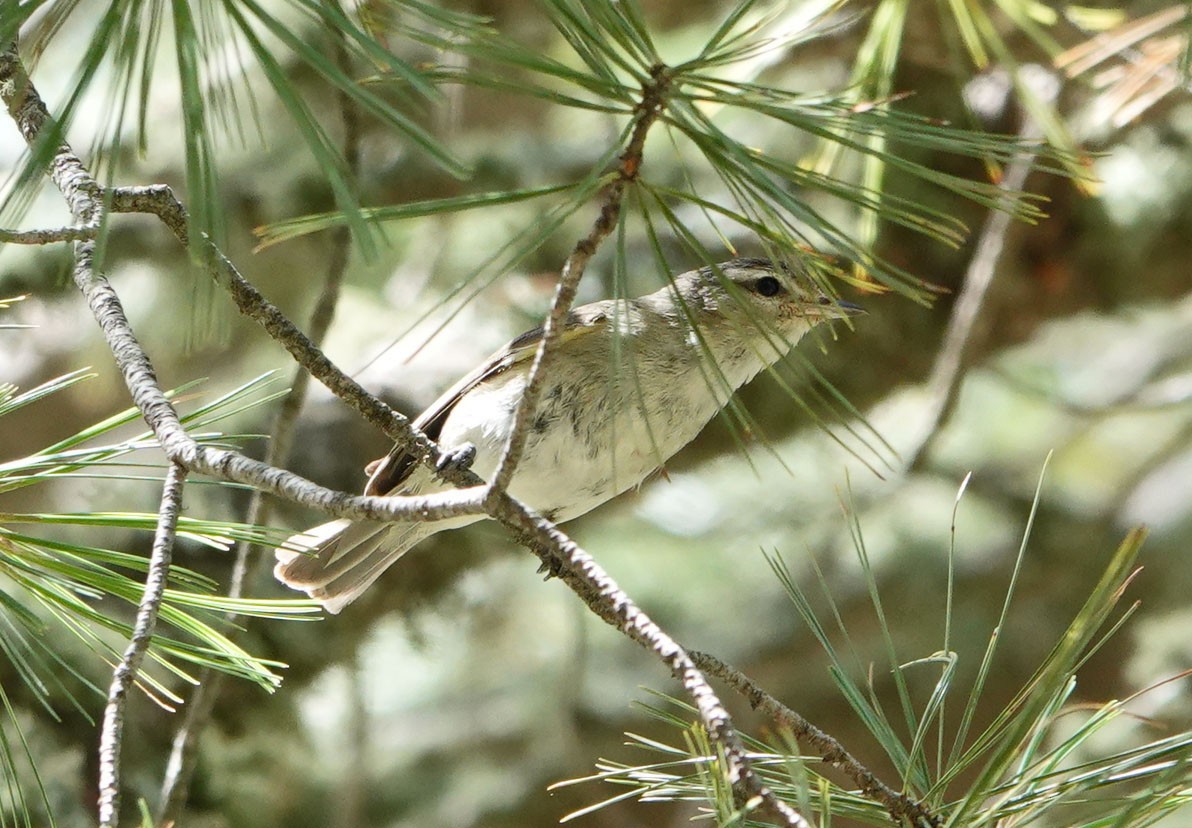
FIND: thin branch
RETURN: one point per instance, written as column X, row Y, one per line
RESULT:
column 180, row 767
column 228, row 465
column 59, row 234
column 831, row 751
column 28, row 111
column 125, row 673
column 586, row 577
column 646, row 112
column 159, row 200
column 948, row 372
column 610, row 603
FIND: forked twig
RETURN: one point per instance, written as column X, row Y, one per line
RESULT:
column 51, row 236
column 899, row 806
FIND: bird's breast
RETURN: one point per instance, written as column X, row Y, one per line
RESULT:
column 605, row 420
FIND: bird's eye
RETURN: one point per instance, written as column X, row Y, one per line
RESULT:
column 824, row 300
column 768, row 286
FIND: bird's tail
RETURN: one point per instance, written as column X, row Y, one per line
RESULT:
column 335, row 562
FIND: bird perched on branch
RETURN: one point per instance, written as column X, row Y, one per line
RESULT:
column 628, row 384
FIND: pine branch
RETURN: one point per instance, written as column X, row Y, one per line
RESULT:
column 85, row 198
column 948, row 372
column 557, row 550
column 610, row 603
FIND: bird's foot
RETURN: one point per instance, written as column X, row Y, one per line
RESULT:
column 457, row 459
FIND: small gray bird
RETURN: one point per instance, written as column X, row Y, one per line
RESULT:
column 629, row 383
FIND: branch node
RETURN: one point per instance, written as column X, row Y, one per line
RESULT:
column 898, row 805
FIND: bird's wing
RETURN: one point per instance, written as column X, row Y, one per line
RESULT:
column 391, row 471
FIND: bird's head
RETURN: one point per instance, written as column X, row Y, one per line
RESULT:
column 771, row 294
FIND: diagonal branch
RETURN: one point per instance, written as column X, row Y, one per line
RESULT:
column 85, row 198
column 159, row 200
column 646, row 112
column 125, row 674
column 832, row 752
column 28, row 111
column 947, row 374
column 609, row 602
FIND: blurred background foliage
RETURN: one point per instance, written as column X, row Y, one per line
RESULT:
column 461, row 687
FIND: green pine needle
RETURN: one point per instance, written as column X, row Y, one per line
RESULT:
column 1019, row 769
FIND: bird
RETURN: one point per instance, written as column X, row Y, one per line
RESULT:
column 629, row 382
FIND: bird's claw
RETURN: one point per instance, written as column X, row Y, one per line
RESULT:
column 552, row 568
column 457, row 459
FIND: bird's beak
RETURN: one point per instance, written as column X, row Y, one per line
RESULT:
column 849, row 309
column 834, row 310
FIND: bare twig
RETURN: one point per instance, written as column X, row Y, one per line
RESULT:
column 29, row 113
column 646, row 112
column 180, row 767
column 947, row 373
column 831, row 751
column 125, row 673
column 84, row 197
column 587, row 578
column 898, row 805
column 59, row 234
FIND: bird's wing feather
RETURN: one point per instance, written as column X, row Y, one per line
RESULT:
column 392, row 470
